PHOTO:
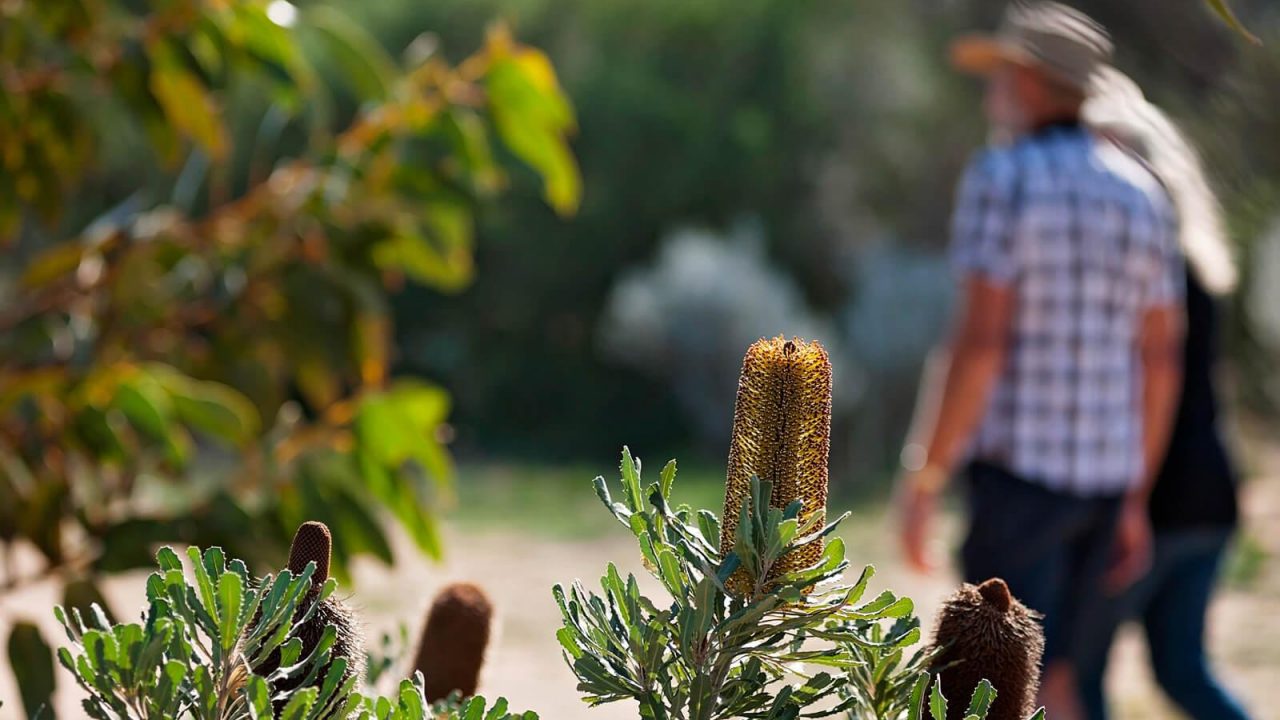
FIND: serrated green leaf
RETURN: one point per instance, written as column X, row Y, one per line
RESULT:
column 230, row 602
column 937, row 703
column 983, row 696
column 299, row 705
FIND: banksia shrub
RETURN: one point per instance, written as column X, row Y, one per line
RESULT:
column 781, row 434
column 313, row 543
column 205, row 633
column 984, row 632
column 454, row 640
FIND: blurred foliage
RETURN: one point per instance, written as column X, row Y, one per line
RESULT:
column 686, row 318
column 1229, row 17
column 838, row 125
column 204, row 207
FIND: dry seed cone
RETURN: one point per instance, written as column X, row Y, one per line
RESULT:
column 313, row 543
column 454, row 639
column 782, row 434
column 984, row 632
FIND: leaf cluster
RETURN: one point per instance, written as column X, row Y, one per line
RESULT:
column 205, row 208
column 801, row 644
column 704, row 652
column 194, row 653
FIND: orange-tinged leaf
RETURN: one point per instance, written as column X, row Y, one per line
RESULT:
column 371, row 336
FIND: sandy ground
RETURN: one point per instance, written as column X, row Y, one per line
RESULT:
column 525, row 664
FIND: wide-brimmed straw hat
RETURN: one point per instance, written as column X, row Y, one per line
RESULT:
column 1054, row 38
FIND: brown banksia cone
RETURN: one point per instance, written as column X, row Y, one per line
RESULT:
column 985, row 633
column 454, row 639
column 782, row 434
column 313, row 543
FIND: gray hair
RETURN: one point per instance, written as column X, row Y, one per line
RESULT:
column 1117, row 107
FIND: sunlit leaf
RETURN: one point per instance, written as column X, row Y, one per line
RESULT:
column 435, row 251
column 210, row 407
column 533, row 117
column 146, row 408
column 185, row 100
column 399, row 424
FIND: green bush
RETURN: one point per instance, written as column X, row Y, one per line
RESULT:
column 192, row 657
column 807, row 645
column 204, row 210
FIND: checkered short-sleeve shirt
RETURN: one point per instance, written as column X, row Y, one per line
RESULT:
column 1085, row 236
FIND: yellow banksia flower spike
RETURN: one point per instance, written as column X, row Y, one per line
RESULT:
column 782, row 434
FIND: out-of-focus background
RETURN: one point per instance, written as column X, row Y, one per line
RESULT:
column 420, row 269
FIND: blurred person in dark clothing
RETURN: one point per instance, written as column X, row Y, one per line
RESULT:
column 1193, row 506
column 1057, row 389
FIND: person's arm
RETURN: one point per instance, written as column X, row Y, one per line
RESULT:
column 1160, row 355
column 1160, row 352
column 974, row 359
column 967, row 375
column 1159, row 349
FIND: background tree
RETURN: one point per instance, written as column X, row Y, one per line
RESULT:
column 838, row 129
column 205, row 207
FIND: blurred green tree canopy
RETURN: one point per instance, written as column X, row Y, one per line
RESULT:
column 205, row 205
column 838, row 125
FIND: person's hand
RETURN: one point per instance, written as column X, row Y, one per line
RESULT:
column 917, row 506
column 1131, row 552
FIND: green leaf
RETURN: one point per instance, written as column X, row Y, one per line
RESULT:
column 400, row 425
column 258, row 698
column 209, row 407
column 630, row 469
column 533, row 117
column 299, row 704
column 367, row 66
column 230, row 601
column 983, row 696
column 1229, row 17
column 146, row 405
column 33, row 668
column 185, row 100
column 667, row 478
column 915, row 706
column 937, row 703
column 470, row 140
column 437, row 251
column 271, row 42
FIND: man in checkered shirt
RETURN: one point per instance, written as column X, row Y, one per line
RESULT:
column 1062, row 377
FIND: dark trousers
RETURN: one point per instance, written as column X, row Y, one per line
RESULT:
column 1171, row 602
column 1050, row 547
